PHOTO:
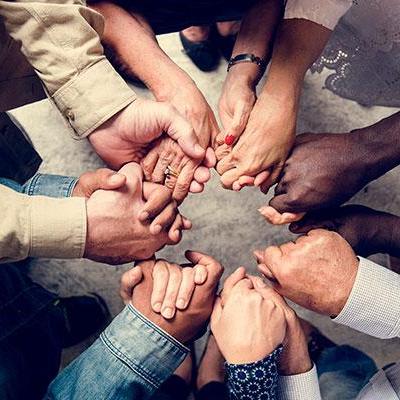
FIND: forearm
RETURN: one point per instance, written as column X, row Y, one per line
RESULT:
column 380, row 145
column 299, row 43
column 130, row 360
column 137, row 51
column 256, row 37
column 40, row 226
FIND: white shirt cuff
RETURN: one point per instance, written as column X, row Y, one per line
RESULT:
column 326, row 13
column 300, row 386
column 373, row 306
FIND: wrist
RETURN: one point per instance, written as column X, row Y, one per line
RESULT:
column 245, row 73
column 178, row 81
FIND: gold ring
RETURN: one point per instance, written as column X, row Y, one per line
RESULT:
column 169, row 171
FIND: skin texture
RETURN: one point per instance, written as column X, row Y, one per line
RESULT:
column 260, row 152
column 317, row 271
column 241, row 332
column 368, row 231
column 130, row 134
column 185, row 325
column 140, row 218
column 173, row 285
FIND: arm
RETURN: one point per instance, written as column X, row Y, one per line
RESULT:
column 373, row 306
column 27, row 223
column 130, row 360
column 368, row 231
column 270, row 132
column 72, row 70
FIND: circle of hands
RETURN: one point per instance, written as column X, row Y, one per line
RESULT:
column 137, row 207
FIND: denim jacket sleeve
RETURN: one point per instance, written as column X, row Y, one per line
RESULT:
column 130, row 360
column 50, row 185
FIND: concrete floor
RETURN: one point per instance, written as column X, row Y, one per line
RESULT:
column 226, row 224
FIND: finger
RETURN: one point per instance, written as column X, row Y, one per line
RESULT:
column 229, row 177
column 164, row 160
column 280, row 203
column 128, row 282
column 175, row 234
column 261, row 178
column 183, row 182
column 164, row 220
column 202, row 174
column 221, row 152
column 276, row 218
column 259, row 256
column 239, row 121
column 272, row 261
column 157, row 198
column 149, row 163
column 174, row 281
column 200, row 274
column 160, row 282
column 216, row 313
column 232, row 280
column 263, row 268
column 243, row 181
column 214, row 268
column 107, row 179
column 226, row 164
column 210, row 159
column 179, row 129
column 196, row 187
column 186, row 288
column 187, row 223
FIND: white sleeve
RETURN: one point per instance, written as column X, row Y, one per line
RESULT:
column 323, row 12
column 373, row 306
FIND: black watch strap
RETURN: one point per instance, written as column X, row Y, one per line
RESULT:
column 251, row 58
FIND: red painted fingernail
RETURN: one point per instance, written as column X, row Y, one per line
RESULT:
column 229, row 139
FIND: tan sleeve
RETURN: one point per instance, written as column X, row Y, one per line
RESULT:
column 38, row 226
column 60, row 39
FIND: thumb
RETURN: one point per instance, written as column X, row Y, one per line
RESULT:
column 238, row 124
column 107, row 179
column 179, row 129
column 134, row 180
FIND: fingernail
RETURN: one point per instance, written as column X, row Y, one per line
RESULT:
column 167, row 312
column 199, row 277
column 157, row 307
column 180, row 303
column 262, row 209
column 229, row 139
column 144, row 215
column 157, row 229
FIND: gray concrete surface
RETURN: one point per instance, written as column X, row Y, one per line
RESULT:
column 225, row 224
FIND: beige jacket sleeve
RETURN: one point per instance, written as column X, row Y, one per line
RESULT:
column 60, row 39
column 37, row 226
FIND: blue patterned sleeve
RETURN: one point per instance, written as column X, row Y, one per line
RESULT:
column 255, row 381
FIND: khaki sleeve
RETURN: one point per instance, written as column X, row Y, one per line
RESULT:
column 38, row 226
column 60, row 39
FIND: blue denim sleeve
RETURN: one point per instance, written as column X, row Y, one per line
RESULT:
column 50, row 185
column 255, row 381
column 130, row 360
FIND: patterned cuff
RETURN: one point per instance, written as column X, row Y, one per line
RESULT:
column 326, row 13
column 50, row 185
column 300, row 386
column 373, row 306
column 255, row 381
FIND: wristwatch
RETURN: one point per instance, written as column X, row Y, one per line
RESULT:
column 251, row 58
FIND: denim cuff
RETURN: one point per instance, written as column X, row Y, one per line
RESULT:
column 50, row 185
column 144, row 347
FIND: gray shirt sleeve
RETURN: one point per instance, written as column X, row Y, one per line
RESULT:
column 373, row 306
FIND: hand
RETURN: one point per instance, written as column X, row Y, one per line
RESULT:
column 235, row 105
column 361, row 226
column 317, row 271
column 187, row 99
column 102, row 178
column 247, row 322
column 188, row 323
column 324, row 170
column 132, row 222
column 173, row 285
column 126, row 136
column 191, row 176
column 260, row 153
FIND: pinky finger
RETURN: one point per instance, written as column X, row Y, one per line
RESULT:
column 174, row 233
